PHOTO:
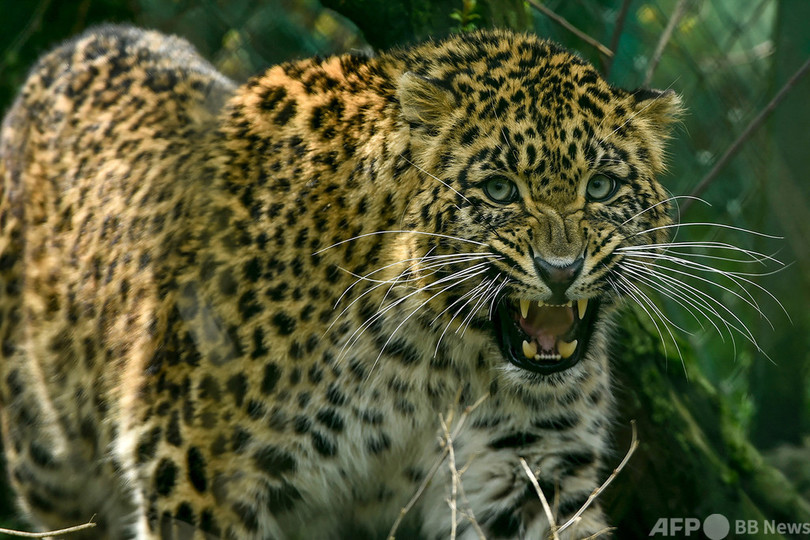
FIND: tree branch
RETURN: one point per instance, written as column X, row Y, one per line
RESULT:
column 49, row 534
column 677, row 15
column 747, row 132
column 617, row 34
column 571, row 28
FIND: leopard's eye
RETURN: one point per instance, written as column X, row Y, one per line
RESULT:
column 600, row 188
column 501, row 190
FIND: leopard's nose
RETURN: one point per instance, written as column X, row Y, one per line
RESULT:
column 558, row 278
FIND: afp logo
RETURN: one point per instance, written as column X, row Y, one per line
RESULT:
column 715, row 527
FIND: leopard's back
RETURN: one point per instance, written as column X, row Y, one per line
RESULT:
column 86, row 241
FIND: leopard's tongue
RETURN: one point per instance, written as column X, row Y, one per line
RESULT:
column 546, row 324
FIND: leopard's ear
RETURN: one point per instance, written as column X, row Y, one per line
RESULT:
column 661, row 108
column 424, row 101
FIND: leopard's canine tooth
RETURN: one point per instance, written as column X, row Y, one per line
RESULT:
column 529, row 349
column 566, row 349
column 582, row 305
column 524, row 307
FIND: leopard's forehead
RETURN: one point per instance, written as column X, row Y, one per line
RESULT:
column 530, row 108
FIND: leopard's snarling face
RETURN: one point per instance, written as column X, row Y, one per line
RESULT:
column 542, row 172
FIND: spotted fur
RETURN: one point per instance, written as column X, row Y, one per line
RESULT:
column 189, row 348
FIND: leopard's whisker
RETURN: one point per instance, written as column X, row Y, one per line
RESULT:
column 676, row 288
column 668, row 199
column 680, row 298
column 750, row 300
column 733, row 276
column 448, row 259
column 696, row 255
column 491, row 293
column 359, row 297
column 707, row 224
column 497, row 292
column 452, row 318
column 402, row 231
column 420, row 306
column 755, row 256
column 657, row 309
column 482, row 297
column 456, row 278
column 694, row 265
column 700, row 298
column 404, row 272
column 369, row 290
column 643, row 301
column 474, row 293
column 743, row 329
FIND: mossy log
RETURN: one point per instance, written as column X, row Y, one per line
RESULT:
column 693, row 460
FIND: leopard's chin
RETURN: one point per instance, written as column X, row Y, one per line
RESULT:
column 545, row 338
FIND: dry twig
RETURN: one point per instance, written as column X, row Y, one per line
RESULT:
column 423, row 485
column 597, row 534
column 592, row 497
column 22, row 534
column 606, row 483
column 546, row 508
column 571, row 28
column 457, row 486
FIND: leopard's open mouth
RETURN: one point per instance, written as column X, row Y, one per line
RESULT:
column 545, row 338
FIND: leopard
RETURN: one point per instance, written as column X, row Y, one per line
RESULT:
column 356, row 296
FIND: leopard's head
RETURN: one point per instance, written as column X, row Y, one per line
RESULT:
column 536, row 172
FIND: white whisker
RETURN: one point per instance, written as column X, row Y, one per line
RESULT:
column 641, row 299
column 667, row 246
column 718, row 225
column 454, row 284
column 675, row 290
column 660, row 313
column 482, row 300
column 751, row 301
column 403, row 231
column 743, row 329
column 680, row 298
column 495, row 295
column 457, row 277
column 673, row 198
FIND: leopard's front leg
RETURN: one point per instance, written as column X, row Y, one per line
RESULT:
column 484, row 478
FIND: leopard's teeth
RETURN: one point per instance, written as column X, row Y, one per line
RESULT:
column 529, row 349
column 582, row 305
column 566, row 349
column 541, row 304
column 524, row 307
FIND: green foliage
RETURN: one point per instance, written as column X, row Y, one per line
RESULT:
column 466, row 16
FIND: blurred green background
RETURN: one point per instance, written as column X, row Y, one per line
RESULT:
column 727, row 58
